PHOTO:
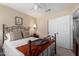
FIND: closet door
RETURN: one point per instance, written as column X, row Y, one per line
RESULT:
column 61, row 26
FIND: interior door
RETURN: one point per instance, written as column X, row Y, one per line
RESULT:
column 62, row 27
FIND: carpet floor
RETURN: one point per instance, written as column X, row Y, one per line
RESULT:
column 64, row 52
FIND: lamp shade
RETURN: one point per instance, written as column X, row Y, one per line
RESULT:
column 34, row 26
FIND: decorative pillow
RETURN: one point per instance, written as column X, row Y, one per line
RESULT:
column 7, row 36
column 25, row 34
column 15, row 35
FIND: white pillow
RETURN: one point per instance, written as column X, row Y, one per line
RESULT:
column 8, row 36
column 25, row 34
column 15, row 35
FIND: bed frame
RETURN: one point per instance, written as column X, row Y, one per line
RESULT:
column 42, row 52
column 11, row 28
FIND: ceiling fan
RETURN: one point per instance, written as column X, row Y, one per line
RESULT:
column 38, row 6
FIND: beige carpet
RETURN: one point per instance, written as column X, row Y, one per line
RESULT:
column 64, row 52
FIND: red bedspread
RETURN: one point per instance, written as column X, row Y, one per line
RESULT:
column 35, row 50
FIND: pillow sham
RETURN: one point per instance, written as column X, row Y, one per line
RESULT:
column 25, row 34
column 7, row 36
column 15, row 35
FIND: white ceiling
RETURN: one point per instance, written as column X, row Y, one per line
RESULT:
column 27, row 7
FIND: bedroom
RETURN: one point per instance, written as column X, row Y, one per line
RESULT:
column 35, row 18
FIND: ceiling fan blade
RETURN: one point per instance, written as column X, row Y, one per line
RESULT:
column 47, row 10
column 34, row 7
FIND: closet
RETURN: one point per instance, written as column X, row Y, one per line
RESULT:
column 63, row 27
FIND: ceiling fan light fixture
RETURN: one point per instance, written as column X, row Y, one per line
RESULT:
column 35, row 7
column 38, row 7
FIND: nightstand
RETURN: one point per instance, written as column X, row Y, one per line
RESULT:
column 35, row 35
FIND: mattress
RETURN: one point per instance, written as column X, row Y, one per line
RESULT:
column 9, row 47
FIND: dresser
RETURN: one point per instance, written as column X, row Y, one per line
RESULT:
column 35, row 35
column 76, row 46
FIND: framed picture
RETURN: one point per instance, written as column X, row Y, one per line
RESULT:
column 18, row 20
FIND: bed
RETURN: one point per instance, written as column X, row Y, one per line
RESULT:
column 24, row 46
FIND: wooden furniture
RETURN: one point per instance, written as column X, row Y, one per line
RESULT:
column 35, row 35
column 77, row 46
column 74, row 45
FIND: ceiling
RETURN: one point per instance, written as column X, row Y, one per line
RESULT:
column 28, row 8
